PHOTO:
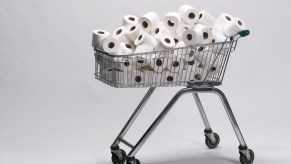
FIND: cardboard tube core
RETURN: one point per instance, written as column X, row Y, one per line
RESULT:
column 191, row 15
column 132, row 28
column 157, row 30
column 175, row 64
column 138, row 79
column 159, row 62
column 170, row 78
column 118, row 31
column 145, row 24
column 205, row 35
column 189, row 36
column 170, row 23
column 100, row 32
column 111, row 45
column 131, row 18
column 240, row 23
column 167, row 40
column 228, row 18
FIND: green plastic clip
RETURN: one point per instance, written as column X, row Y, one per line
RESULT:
column 244, row 33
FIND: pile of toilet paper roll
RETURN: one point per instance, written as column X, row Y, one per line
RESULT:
column 189, row 26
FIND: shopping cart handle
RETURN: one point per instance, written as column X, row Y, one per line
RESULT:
column 244, row 33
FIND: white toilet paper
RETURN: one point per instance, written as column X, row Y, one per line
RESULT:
column 172, row 77
column 189, row 37
column 130, row 64
column 203, row 34
column 120, row 34
column 159, row 31
column 176, row 64
column 165, row 42
column 137, row 77
column 206, row 19
column 145, row 39
column 172, row 21
column 143, row 48
column 219, row 38
column 180, row 44
column 159, row 62
column 112, row 46
column 127, row 48
column 220, row 22
column 149, row 21
column 180, row 30
column 133, row 32
column 198, row 75
column 189, row 14
column 99, row 36
column 129, row 20
column 234, row 27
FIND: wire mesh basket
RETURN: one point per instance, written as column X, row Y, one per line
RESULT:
column 198, row 64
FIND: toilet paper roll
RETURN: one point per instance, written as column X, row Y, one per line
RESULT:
column 171, row 77
column 137, row 77
column 129, row 20
column 133, row 32
column 159, row 31
column 159, row 62
column 99, row 36
column 180, row 30
column 218, row 38
column 165, row 42
column 172, row 21
column 120, row 34
column 203, row 34
column 143, row 48
column 149, row 21
column 112, row 46
column 130, row 64
column 198, row 75
column 220, row 22
column 176, row 64
column 189, row 37
column 189, row 14
column 145, row 39
column 234, row 27
column 180, row 44
column 127, row 48
column 206, row 19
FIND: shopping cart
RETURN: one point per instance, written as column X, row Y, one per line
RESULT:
column 199, row 67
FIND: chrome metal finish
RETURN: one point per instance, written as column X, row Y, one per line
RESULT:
column 158, row 121
column 134, row 115
column 201, row 111
column 231, row 116
column 174, row 100
column 126, row 143
column 199, row 64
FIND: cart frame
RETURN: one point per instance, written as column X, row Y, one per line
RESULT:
column 212, row 139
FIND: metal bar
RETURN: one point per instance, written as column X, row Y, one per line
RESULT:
column 231, row 116
column 134, row 115
column 158, row 121
column 201, row 111
column 126, row 143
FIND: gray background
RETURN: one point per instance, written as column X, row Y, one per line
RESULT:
column 53, row 111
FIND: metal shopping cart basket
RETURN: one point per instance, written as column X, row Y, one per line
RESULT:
column 199, row 67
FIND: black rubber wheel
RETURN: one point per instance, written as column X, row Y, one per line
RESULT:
column 244, row 160
column 210, row 144
column 136, row 161
column 116, row 160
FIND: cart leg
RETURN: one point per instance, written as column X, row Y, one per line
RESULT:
column 243, row 146
column 214, row 138
column 115, row 148
column 155, row 124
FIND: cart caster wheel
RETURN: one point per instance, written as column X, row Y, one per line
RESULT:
column 116, row 160
column 210, row 144
column 136, row 162
column 244, row 160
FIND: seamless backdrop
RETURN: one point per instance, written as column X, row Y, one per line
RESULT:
column 53, row 111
